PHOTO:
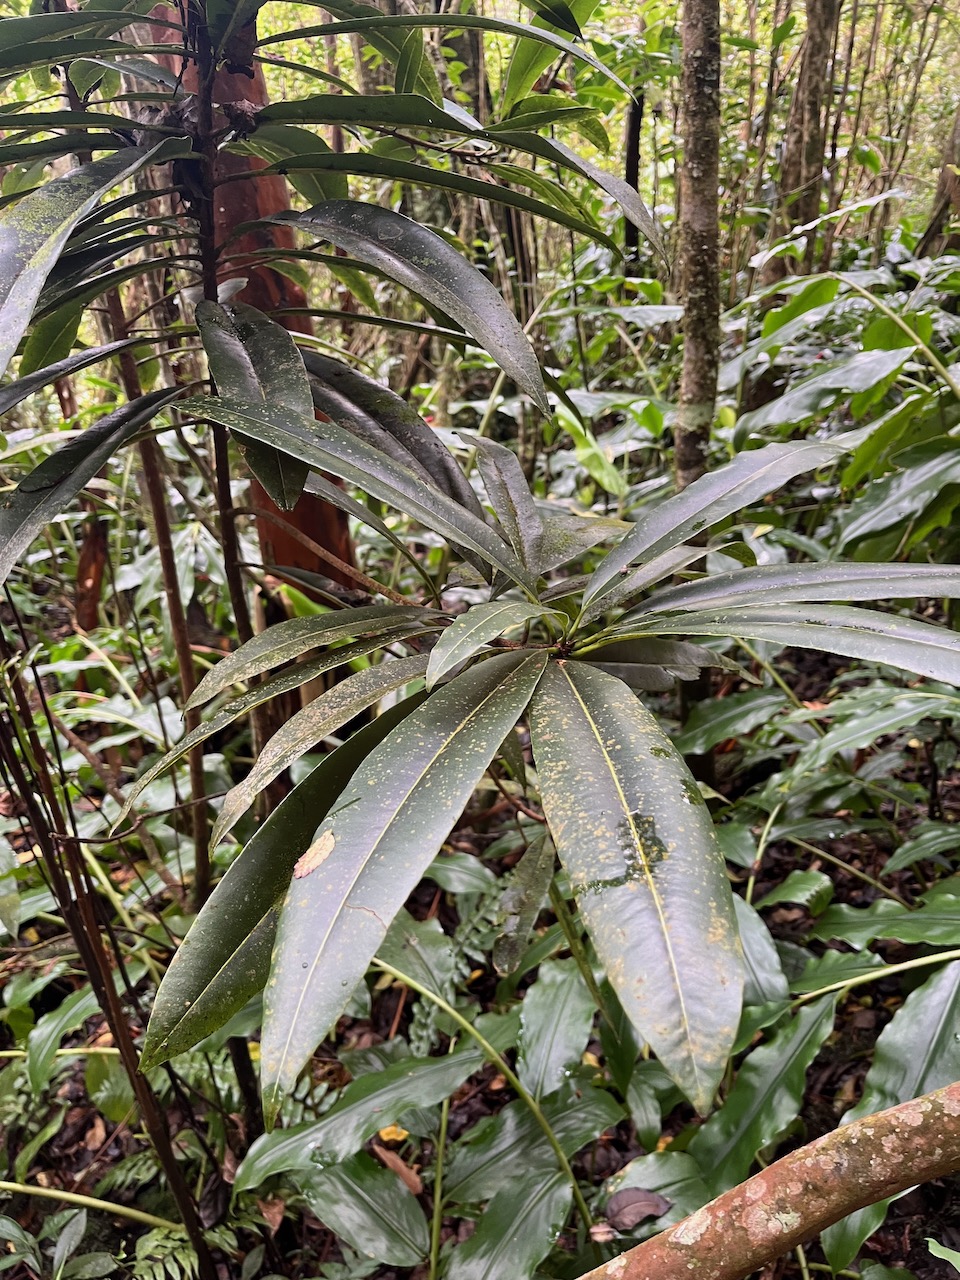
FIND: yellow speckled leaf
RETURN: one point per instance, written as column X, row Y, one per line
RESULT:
column 638, row 844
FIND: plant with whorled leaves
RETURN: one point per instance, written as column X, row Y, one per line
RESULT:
column 306, row 905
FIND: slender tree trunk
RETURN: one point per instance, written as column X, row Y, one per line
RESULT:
column 801, row 1195
column 699, row 236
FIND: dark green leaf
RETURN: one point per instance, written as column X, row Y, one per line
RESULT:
column 521, row 903
column 512, row 501
column 320, row 718
column 50, row 487
column 936, row 923
column 517, row 1230
column 420, row 260
column 718, row 494
column 555, row 1021
column 385, row 832
column 51, row 340
column 856, row 633
column 34, row 231
column 764, row 1100
column 764, row 979
column 13, row 393
column 671, row 1174
column 225, row 958
column 370, row 1208
column 469, row 633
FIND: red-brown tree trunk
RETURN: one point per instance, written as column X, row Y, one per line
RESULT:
column 246, row 199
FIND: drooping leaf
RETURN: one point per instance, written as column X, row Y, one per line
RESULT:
column 417, row 258
column 766, row 1097
column 917, row 1052
column 715, row 721
column 50, row 487
column 330, row 448
column 34, row 231
column 782, row 583
column 254, row 361
column 371, row 852
column 716, row 495
column 855, row 633
column 320, row 718
column 225, row 958
column 287, row 641
column 370, row 1208
column 468, row 634
column 638, row 845
column 44, row 1040
column 398, row 418
column 512, row 501
column 555, row 1020
column 16, row 391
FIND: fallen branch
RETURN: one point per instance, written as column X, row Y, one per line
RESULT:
column 808, row 1190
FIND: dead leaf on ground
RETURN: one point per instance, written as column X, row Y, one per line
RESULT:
column 626, row 1209
column 390, row 1160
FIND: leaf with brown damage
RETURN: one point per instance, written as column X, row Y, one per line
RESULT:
column 638, row 845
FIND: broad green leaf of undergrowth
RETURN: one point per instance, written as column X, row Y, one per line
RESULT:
column 34, row 231
column 917, row 1052
column 637, row 842
column 369, row 854
column 517, row 1229
column 370, row 1208
column 555, row 1020
column 469, row 633
column 530, row 59
column 225, row 958
column 766, row 1097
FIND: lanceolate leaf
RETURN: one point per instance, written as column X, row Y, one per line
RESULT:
column 296, row 675
column 528, row 61
column 765, row 1099
column 516, row 1231
column 225, row 958
column 372, row 851
column 291, row 639
column 14, row 392
column 512, row 501
column 382, row 25
column 420, row 260
column 855, row 633
column 34, row 231
column 718, row 494
column 323, row 716
column 365, row 1106
column 917, row 1052
column 780, row 583
column 254, row 361
column 638, row 845
column 50, row 487
column 398, row 418
column 470, row 632
column 331, row 448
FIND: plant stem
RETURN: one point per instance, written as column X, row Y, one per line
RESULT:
column 436, row 1222
column 886, row 971
column 509, row 1075
column 91, row 1202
